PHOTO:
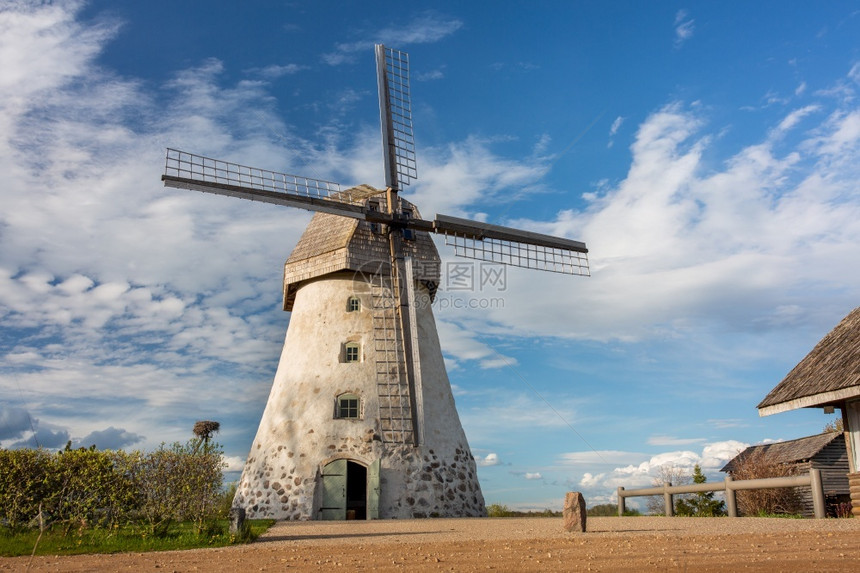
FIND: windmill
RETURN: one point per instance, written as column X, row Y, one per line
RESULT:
column 360, row 422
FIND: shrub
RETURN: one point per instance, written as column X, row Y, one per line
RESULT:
column 107, row 488
column 180, row 482
column 498, row 510
column 88, row 489
column 26, row 479
column 756, row 465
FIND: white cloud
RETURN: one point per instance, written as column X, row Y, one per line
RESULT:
column 673, row 441
column 641, row 473
column 613, row 129
column 794, row 117
column 727, row 423
column 684, row 27
column 593, row 457
column 234, row 463
column 464, row 176
column 277, row 71
column 460, row 343
column 616, row 125
column 716, row 455
column 491, row 459
column 430, row 75
column 43, row 48
column 532, row 476
column 702, row 246
column 590, row 481
column 427, row 28
column 521, row 410
column 839, row 135
column 854, row 73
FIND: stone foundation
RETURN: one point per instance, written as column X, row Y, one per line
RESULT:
column 415, row 482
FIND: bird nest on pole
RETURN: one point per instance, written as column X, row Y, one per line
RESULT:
column 204, row 429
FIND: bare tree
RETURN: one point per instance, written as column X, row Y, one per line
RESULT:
column 667, row 473
column 835, row 425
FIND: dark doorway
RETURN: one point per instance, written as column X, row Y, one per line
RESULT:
column 356, row 491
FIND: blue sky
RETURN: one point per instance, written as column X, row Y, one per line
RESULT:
column 708, row 153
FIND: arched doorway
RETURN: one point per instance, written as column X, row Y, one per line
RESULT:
column 350, row 490
column 356, row 491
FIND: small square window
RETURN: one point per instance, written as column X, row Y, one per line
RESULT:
column 353, row 304
column 347, row 407
column 352, row 353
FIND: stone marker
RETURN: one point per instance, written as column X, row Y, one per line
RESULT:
column 574, row 512
column 237, row 519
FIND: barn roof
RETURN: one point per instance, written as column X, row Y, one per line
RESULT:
column 332, row 243
column 829, row 374
column 798, row 450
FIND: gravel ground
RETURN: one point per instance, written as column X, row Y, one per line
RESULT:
column 509, row 544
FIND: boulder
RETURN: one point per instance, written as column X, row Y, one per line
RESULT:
column 574, row 512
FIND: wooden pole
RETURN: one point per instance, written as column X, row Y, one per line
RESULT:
column 731, row 498
column 667, row 499
column 817, row 493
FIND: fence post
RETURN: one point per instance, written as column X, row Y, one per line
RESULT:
column 667, row 499
column 817, row 493
column 621, row 504
column 731, row 498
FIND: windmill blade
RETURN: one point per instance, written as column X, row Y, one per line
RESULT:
column 184, row 170
column 395, row 117
column 515, row 247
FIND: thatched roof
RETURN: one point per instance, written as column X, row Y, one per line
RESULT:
column 829, row 374
column 799, row 450
column 332, row 243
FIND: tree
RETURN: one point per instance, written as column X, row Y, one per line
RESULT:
column 666, row 474
column 498, row 510
column 701, row 504
column 835, row 426
column 603, row 510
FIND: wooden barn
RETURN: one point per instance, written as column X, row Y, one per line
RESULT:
column 828, row 377
column 825, row 452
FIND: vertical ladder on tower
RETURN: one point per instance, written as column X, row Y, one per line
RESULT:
column 395, row 412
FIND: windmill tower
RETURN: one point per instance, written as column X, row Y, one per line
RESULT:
column 361, row 422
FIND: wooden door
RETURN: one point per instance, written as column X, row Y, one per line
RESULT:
column 373, row 491
column 334, row 490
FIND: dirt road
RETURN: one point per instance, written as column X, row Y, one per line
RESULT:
column 510, row 544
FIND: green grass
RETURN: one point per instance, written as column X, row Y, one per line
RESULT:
column 779, row 515
column 126, row 539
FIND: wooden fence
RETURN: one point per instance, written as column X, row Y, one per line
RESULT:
column 729, row 487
